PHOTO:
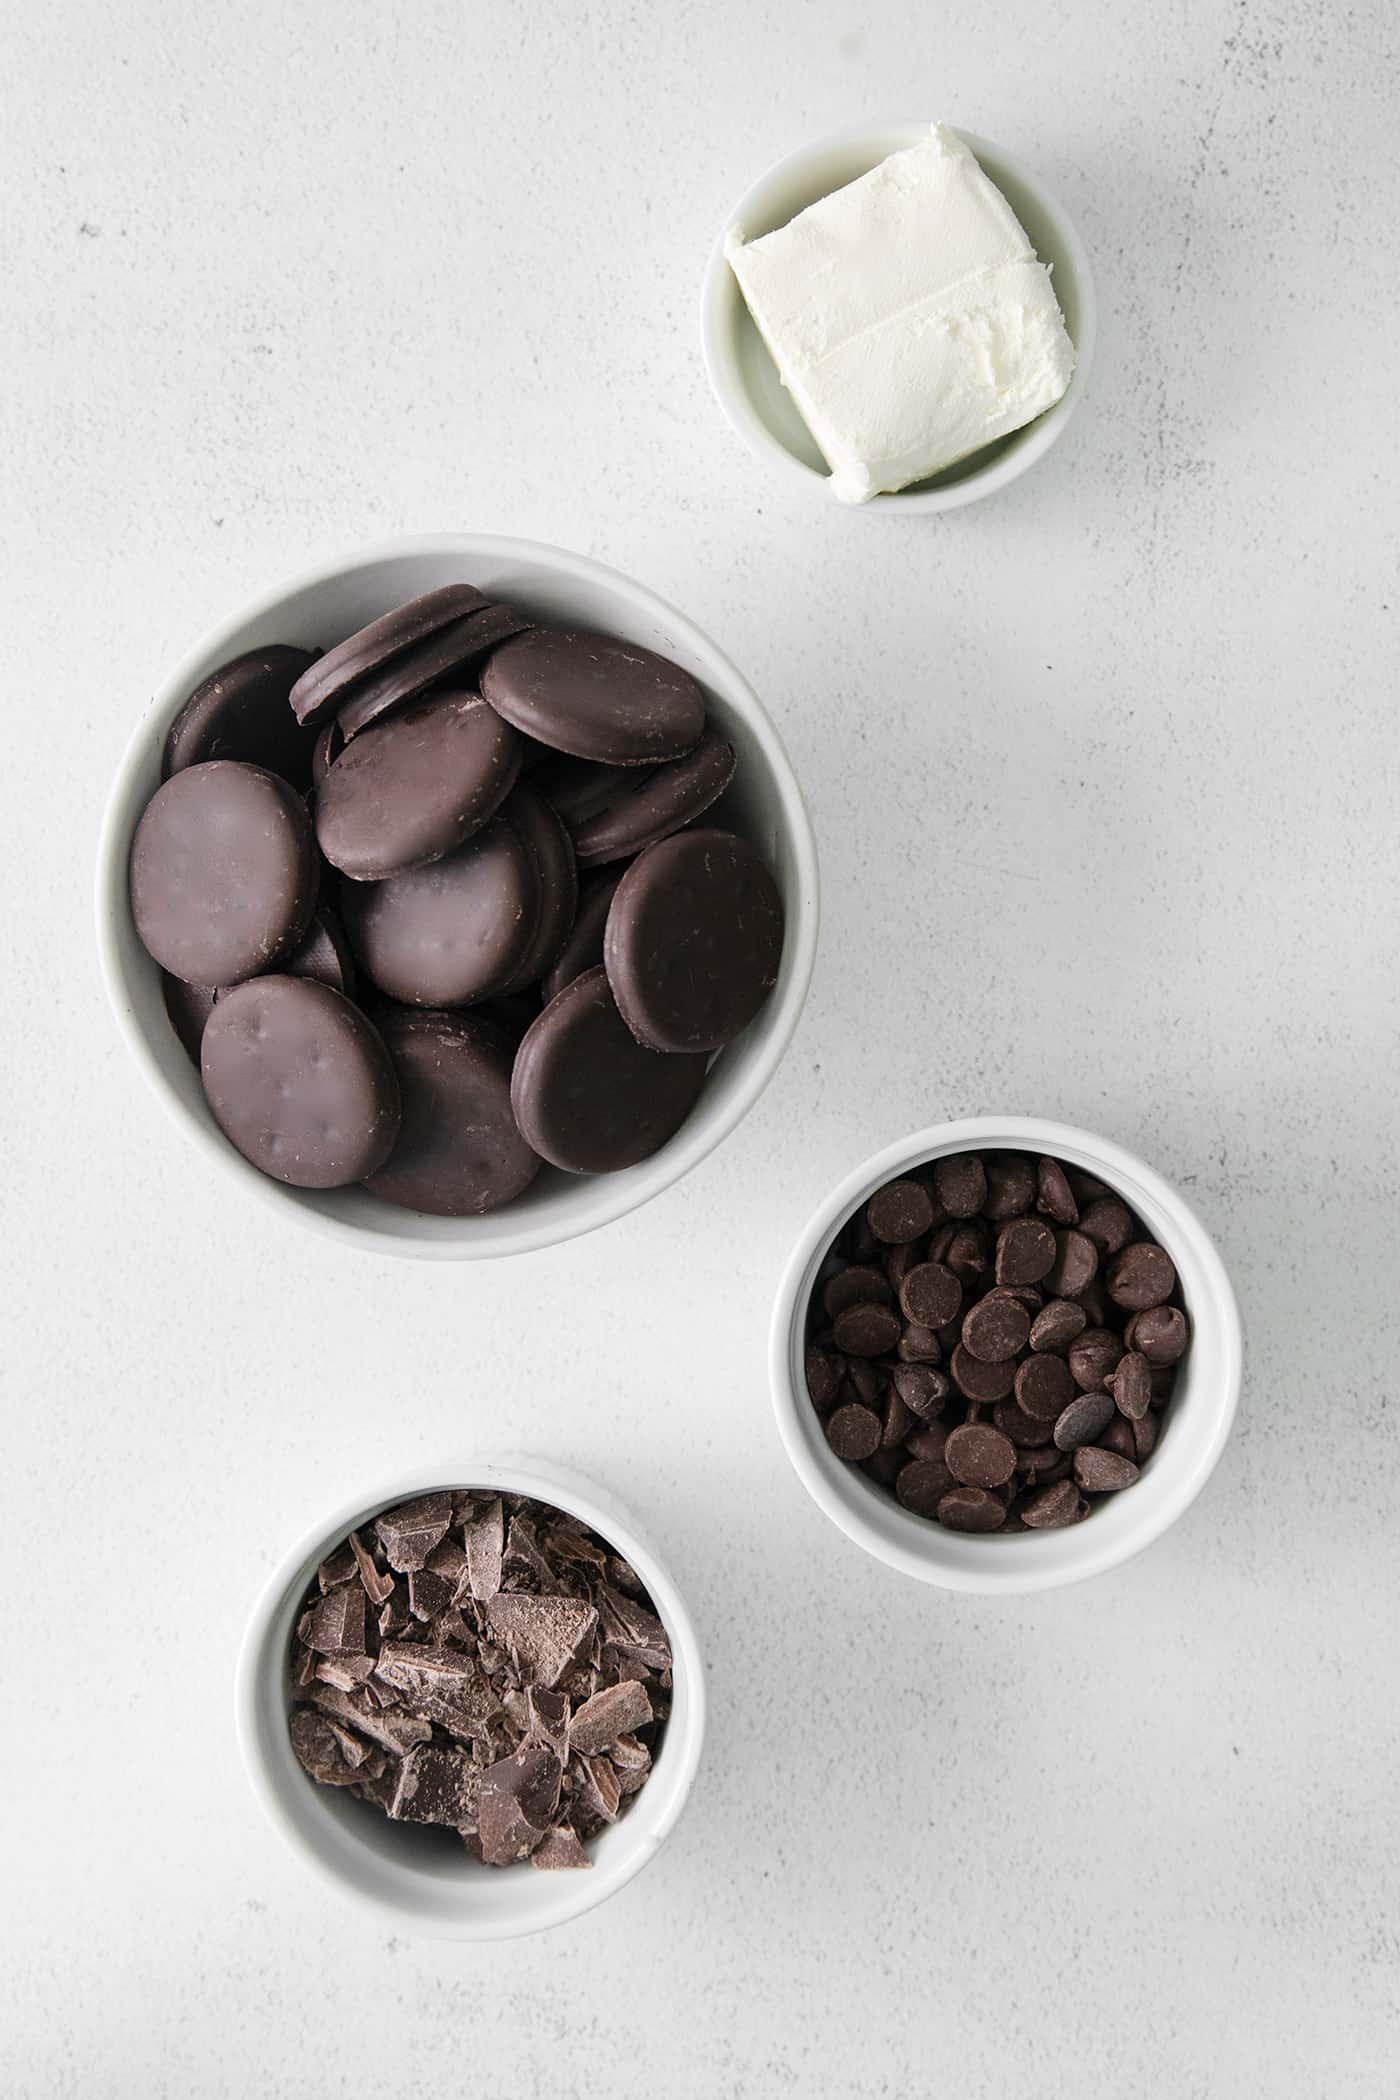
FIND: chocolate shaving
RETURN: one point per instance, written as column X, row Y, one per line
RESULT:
column 346, row 1672
column 377, row 1585
column 484, row 1536
column 598, row 1786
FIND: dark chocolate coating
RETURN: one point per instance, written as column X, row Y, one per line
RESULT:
column 586, row 1095
column 651, row 806
column 694, row 939
column 318, row 691
column 325, row 751
column 595, row 697
column 450, row 652
column 415, row 786
column 550, row 848
column 300, row 1082
column 240, row 711
column 451, row 933
column 583, row 950
column 223, row 872
column 459, row 1152
column 575, row 788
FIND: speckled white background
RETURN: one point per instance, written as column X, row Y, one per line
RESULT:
column 1105, row 779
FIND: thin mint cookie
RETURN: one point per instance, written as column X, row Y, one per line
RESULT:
column 300, row 1082
column 694, row 939
column 587, row 1097
column 240, row 711
column 414, row 787
column 451, row 652
column 451, row 933
column 223, row 872
column 458, row 1153
column 651, row 806
column 595, row 697
column 318, row 691
column 549, row 846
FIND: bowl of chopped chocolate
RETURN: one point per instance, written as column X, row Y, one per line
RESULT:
column 479, row 1707
column 1005, row 1355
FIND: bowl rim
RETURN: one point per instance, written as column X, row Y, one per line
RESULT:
column 699, row 1136
column 562, row 1896
column 720, row 288
column 1072, row 1553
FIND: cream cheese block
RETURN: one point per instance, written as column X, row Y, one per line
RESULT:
column 908, row 316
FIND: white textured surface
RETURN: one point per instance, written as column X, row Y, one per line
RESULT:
column 1105, row 778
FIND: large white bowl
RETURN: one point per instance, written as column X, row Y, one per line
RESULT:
column 741, row 368
column 400, row 1871
column 1195, row 1426
column 764, row 803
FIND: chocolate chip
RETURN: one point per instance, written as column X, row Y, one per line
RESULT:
column 854, row 1431
column 1011, row 1186
column 1053, row 1193
column 859, row 1285
column 927, row 1441
column 979, row 1456
column 1159, row 1334
column 923, row 1390
column 866, row 1330
column 1108, row 1223
column 1023, row 1429
column 979, row 1381
column 865, row 1379
column 919, row 1345
column 1053, row 1506
column 1025, row 1251
column 884, row 1465
column 1131, row 1386
column 1093, row 1357
column 995, row 1329
column 960, row 1184
column 1056, row 1325
column 1076, row 1260
column 1083, row 1419
column 1101, row 1472
column 968, row 1256
column 931, row 1295
column 971, row 1509
column 1118, row 1436
column 1044, row 1387
column 899, row 1421
column 900, row 1211
column 922, row 1484
column 1145, row 1435
column 823, row 1378
column 1143, row 1275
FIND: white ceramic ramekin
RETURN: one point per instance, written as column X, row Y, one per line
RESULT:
column 392, row 1867
column 764, row 803
column 745, row 378
column 1195, row 1427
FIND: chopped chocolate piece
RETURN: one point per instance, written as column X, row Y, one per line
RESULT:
column 435, row 1785
column 599, row 1788
column 409, row 1533
column 317, row 1747
column 627, row 1624
column 394, row 1731
column 522, row 1551
column 449, row 1561
column 547, row 1719
column 346, row 1672
column 338, row 1623
column 428, row 1594
column 631, row 1760
column 559, row 1848
column 607, row 1715
column 338, row 1567
column 483, row 1536
column 519, row 1795
column 546, row 1635
column 377, row 1584
column 439, row 1684
column 568, row 1542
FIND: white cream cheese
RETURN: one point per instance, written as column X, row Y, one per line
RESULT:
column 908, row 317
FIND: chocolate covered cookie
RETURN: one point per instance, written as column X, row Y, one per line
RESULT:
column 451, row 933
column 240, row 711
column 459, row 1152
column 595, row 697
column 650, row 806
column 416, row 785
column 694, row 939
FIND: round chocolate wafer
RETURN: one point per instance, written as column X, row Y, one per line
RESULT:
column 587, row 1096
column 451, row 652
column 223, row 872
column 324, row 954
column 650, row 806
column 595, row 697
column 694, row 939
column 453, row 932
column 240, row 711
column 459, row 1153
column 318, row 691
column 548, row 844
column 415, row 786
column 300, row 1082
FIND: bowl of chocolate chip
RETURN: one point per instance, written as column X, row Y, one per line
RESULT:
column 1005, row 1355
column 476, row 1707
column 457, row 898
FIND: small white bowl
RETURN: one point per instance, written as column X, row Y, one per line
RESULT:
column 393, row 1868
column 764, row 803
column 745, row 378
column 1195, row 1426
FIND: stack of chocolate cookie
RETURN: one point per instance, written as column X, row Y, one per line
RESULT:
column 361, row 878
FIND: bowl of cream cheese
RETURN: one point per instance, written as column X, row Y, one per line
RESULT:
column 901, row 315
